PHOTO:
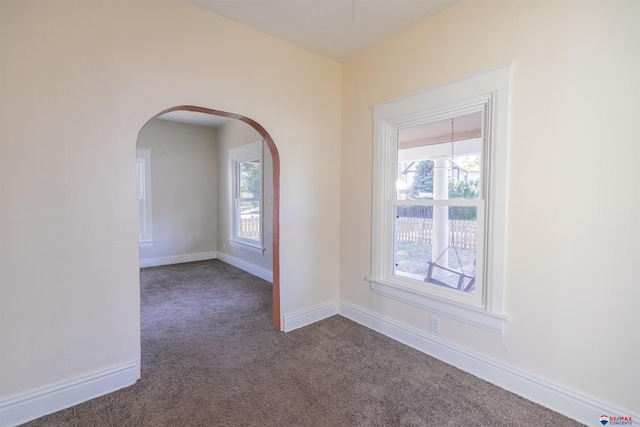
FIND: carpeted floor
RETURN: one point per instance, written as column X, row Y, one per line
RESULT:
column 211, row 358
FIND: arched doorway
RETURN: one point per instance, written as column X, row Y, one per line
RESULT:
column 276, row 193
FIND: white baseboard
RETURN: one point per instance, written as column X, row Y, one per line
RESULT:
column 46, row 400
column 177, row 259
column 310, row 315
column 261, row 272
column 553, row 396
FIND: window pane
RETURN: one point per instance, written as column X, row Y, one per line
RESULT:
column 249, row 179
column 436, row 244
column 142, row 227
column 249, row 219
column 440, row 160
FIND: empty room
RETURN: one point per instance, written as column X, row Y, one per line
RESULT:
column 393, row 213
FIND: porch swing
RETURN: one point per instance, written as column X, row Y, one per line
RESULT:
column 469, row 274
column 448, row 276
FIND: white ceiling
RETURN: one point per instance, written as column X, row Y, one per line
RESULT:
column 336, row 29
column 195, row 118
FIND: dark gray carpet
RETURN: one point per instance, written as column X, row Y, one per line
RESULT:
column 211, row 358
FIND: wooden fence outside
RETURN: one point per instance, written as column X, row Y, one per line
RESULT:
column 462, row 234
column 250, row 227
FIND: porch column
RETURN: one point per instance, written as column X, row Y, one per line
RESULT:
column 440, row 213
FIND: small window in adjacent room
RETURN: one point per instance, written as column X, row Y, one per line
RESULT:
column 440, row 196
column 143, row 175
column 246, row 192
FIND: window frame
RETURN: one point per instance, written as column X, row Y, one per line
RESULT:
column 143, row 181
column 486, row 91
column 245, row 153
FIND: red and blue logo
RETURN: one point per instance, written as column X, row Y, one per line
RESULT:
column 604, row 419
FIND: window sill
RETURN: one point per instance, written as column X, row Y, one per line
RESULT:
column 247, row 247
column 476, row 316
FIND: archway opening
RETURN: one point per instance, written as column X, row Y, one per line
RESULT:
column 274, row 198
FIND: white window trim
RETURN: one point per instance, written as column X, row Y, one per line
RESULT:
column 145, row 223
column 491, row 89
column 243, row 153
column 247, row 247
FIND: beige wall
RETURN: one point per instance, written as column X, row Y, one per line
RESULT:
column 184, row 188
column 79, row 80
column 234, row 134
column 573, row 235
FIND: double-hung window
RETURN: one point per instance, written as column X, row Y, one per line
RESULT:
column 245, row 164
column 143, row 178
column 439, row 198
